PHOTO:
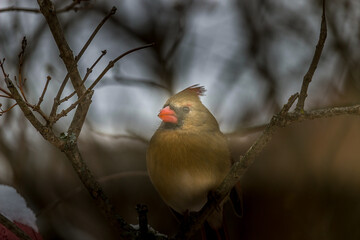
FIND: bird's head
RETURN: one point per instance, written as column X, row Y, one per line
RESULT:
column 185, row 111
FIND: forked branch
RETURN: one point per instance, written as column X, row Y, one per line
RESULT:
column 98, row 79
column 315, row 60
column 57, row 101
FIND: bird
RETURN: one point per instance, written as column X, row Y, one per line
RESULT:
column 188, row 156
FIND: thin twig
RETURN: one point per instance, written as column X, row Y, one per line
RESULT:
column 143, row 221
column 308, row 76
column 5, row 76
column 21, row 62
column 41, row 98
column 2, row 67
column 89, row 70
column 107, row 68
column 37, row 109
column 288, row 105
column 259, row 128
column 58, row 95
column 64, row 112
column 67, row 97
column 5, row 96
column 77, row 58
column 12, row 9
column 43, row 130
column 322, row 113
column 6, row 92
column 36, row 10
column 4, row 111
column 66, row 53
column 112, row 12
column 112, row 63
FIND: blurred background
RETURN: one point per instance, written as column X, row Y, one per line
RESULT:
column 250, row 55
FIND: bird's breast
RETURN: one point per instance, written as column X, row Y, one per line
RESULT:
column 185, row 167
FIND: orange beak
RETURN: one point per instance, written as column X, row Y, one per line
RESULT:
column 168, row 115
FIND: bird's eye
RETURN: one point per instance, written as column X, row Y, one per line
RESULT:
column 186, row 109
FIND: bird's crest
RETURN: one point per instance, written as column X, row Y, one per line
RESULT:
column 199, row 90
column 191, row 93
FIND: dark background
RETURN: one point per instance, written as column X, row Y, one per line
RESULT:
column 250, row 55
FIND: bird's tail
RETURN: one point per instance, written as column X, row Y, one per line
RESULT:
column 215, row 228
column 236, row 199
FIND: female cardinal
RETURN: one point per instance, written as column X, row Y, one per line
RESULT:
column 188, row 156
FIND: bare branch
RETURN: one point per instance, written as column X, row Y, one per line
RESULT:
column 96, row 192
column 70, row 138
column 8, row 95
column 107, row 68
column 37, row 109
column 143, row 221
column 47, row 9
column 71, row 6
column 308, row 76
column 261, row 127
column 112, row 12
column 43, row 130
column 43, row 93
column 20, row 9
column 66, row 98
column 57, row 97
column 80, row 115
column 57, row 101
column 5, row 96
column 288, row 105
column 112, row 63
column 4, row 111
column 81, row 111
column 21, row 62
column 2, row 67
column 13, row 228
column 322, row 113
column 89, row 70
